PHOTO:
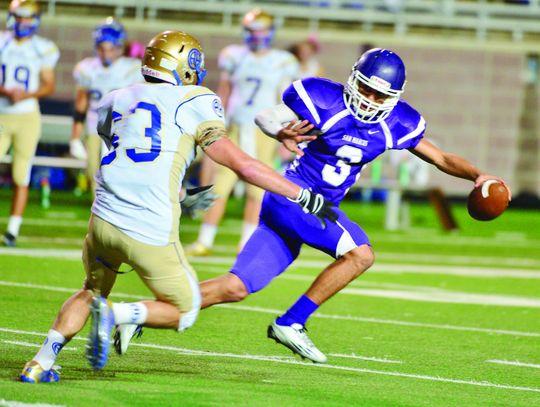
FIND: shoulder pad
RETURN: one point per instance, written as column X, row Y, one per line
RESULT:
column 406, row 125
column 315, row 99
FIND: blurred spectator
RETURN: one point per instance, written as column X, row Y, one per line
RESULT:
column 306, row 54
column 135, row 49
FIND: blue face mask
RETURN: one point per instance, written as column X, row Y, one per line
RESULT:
column 255, row 41
column 23, row 29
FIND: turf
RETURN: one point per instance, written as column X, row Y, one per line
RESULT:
column 417, row 330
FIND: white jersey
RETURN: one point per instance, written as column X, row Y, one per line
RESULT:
column 257, row 80
column 21, row 63
column 154, row 130
column 99, row 80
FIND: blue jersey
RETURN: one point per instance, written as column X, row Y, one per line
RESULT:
column 332, row 163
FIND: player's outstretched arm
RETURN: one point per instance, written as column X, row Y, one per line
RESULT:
column 453, row 164
column 224, row 152
column 282, row 123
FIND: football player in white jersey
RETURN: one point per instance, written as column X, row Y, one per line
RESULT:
column 153, row 129
column 253, row 75
column 95, row 77
column 27, row 64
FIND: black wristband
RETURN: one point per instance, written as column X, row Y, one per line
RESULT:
column 79, row 117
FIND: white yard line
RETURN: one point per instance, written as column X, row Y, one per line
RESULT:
column 33, row 345
column 12, row 403
column 412, row 293
column 513, row 363
column 387, row 321
column 414, row 236
column 239, row 307
column 48, row 240
column 388, row 268
column 67, row 290
column 368, row 358
column 313, row 255
column 63, row 254
column 61, row 223
column 309, row 253
column 274, row 359
column 448, row 297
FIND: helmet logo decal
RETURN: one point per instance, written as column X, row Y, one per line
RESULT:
column 380, row 82
column 218, row 108
column 195, row 59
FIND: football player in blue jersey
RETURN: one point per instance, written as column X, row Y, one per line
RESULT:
column 354, row 124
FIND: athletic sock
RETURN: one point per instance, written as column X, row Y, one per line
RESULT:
column 48, row 353
column 129, row 313
column 298, row 313
column 14, row 224
column 247, row 231
column 207, row 234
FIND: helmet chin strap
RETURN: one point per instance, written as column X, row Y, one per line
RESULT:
column 200, row 76
column 177, row 77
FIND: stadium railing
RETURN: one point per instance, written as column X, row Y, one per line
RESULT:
column 481, row 16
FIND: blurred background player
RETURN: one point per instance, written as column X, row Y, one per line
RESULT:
column 306, row 53
column 95, row 77
column 253, row 75
column 27, row 73
column 152, row 129
column 358, row 123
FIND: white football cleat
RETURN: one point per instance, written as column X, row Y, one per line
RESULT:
column 295, row 338
column 123, row 335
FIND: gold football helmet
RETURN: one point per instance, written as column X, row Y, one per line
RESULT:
column 27, row 9
column 175, row 57
column 258, row 29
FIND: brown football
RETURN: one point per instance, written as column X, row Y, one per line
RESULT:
column 487, row 201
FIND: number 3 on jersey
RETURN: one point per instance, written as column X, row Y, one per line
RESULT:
column 151, row 132
column 336, row 175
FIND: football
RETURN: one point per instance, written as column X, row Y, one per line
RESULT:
column 488, row 200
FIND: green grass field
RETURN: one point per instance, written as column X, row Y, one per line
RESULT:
column 441, row 320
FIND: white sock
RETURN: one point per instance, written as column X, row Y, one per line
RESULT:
column 50, row 349
column 207, row 234
column 129, row 313
column 14, row 224
column 247, row 231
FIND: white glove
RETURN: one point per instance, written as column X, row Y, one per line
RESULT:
column 77, row 150
column 198, row 200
